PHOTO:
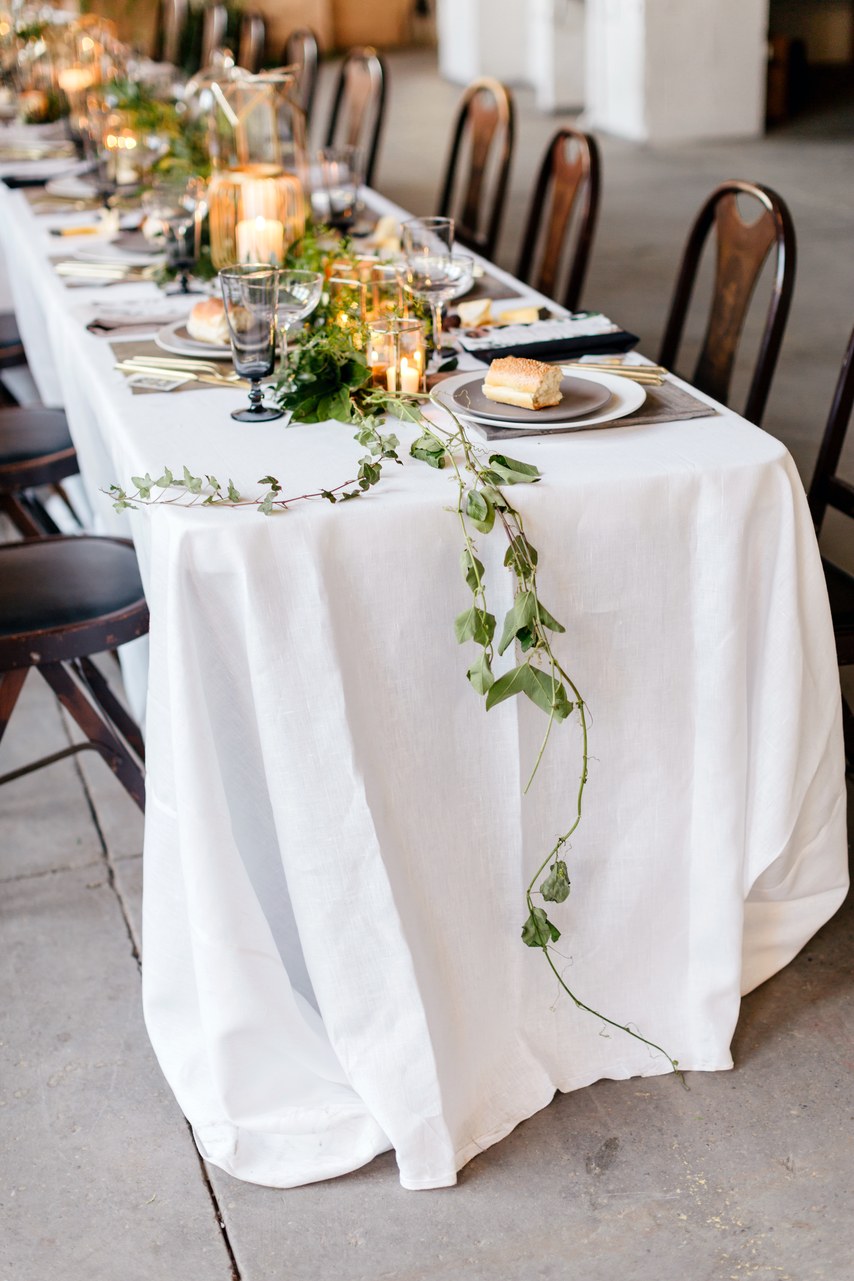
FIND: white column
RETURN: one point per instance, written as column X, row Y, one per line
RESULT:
column 483, row 38
column 556, row 53
column 676, row 70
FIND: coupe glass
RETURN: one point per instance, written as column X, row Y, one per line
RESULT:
column 249, row 293
column 427, row 237
column 178, row 208
column 436, row 279
column 299, row 293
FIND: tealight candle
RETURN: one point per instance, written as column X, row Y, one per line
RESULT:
column 260, row 240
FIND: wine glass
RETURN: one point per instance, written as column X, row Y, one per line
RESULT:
column 178, row 208
column 436, row 278
column 249, row 293
column 427, row 237
column 299, row 293
column 342, row 175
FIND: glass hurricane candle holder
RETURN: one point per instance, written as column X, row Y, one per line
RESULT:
column 256, row 213
column 396, row 352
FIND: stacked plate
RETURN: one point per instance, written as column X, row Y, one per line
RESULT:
column 589, row 400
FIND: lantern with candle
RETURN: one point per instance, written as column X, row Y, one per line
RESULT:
column 256, row 196
column 363, row 291
column 396, row 354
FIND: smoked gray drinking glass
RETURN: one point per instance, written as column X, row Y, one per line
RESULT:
column 250, row 292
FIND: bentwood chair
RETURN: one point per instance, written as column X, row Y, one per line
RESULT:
column 742, row 245
column 12, row 352
column 301, row 51
column 214, row 28
column 358, row 105
column 253, row 36
column 61, row 601
column 828, row 489
column 474, row 188
column 568, row 185
column 173, row 20
column 35, row 450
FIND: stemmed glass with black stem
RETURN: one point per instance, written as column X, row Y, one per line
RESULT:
column 179, row 208
column 299, row 293
column 250, row 293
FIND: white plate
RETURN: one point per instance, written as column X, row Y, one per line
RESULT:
column 70, row 188
column 626, row 398
column 175, row 338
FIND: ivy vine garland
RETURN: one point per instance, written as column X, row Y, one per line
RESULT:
column 329, row 379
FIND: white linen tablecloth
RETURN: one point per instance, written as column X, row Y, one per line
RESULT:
column 336, row 843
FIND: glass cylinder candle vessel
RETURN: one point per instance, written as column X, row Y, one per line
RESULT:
column 256, row 213
column 363, row 291
column 396, row 354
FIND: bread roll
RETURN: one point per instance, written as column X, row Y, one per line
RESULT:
column 207, row 322
column 530, row 384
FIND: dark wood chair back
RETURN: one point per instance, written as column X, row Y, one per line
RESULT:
column 302, row 52
column 253, row 36
column 483, row 136
column 828, row 489
column 741, row 250
column 358, row 106
column 173, row 20
column 214, row 27
column 568, row 184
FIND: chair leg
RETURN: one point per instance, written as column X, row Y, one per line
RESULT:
column 848, row 733
column 97, row 730
column 111, row 707
column 26, row 519
column 11, row 684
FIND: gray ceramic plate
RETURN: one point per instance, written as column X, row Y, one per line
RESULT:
column 581, row 399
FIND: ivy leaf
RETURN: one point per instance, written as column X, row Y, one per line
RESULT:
column 214, row 483
column 520, row 556
column 538, row 930
column 549, row 694
column 429, row 450
column 266, row 506
column 144, row 484
column 520, row 614
column 233, row 492
column 512, row 471
column 474, row 624
column 191, row 482
column 516, row 681
column 407, row 410
column 472, row 568
column 272, row 482
column 324, row 493
column 165, row 480
column 555, row 888
column 479, row 510
column 480, row 674
column 336, row 406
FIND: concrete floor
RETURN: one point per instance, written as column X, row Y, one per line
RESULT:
column 747, row 1174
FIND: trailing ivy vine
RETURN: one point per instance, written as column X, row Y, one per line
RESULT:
column 329, row 380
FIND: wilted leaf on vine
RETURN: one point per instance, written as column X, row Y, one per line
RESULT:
column 538, row 930
column 472, row 568
column 474, row 624
column 479, row 510
column 511, row 683
column 406, row 410
column 548, row 694
column 522, row 472
column 555, row 888
column 429, row 450
column 480, row 674
column 519, row 616
column 520, row 556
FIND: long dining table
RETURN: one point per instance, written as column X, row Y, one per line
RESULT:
column 336, row 841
